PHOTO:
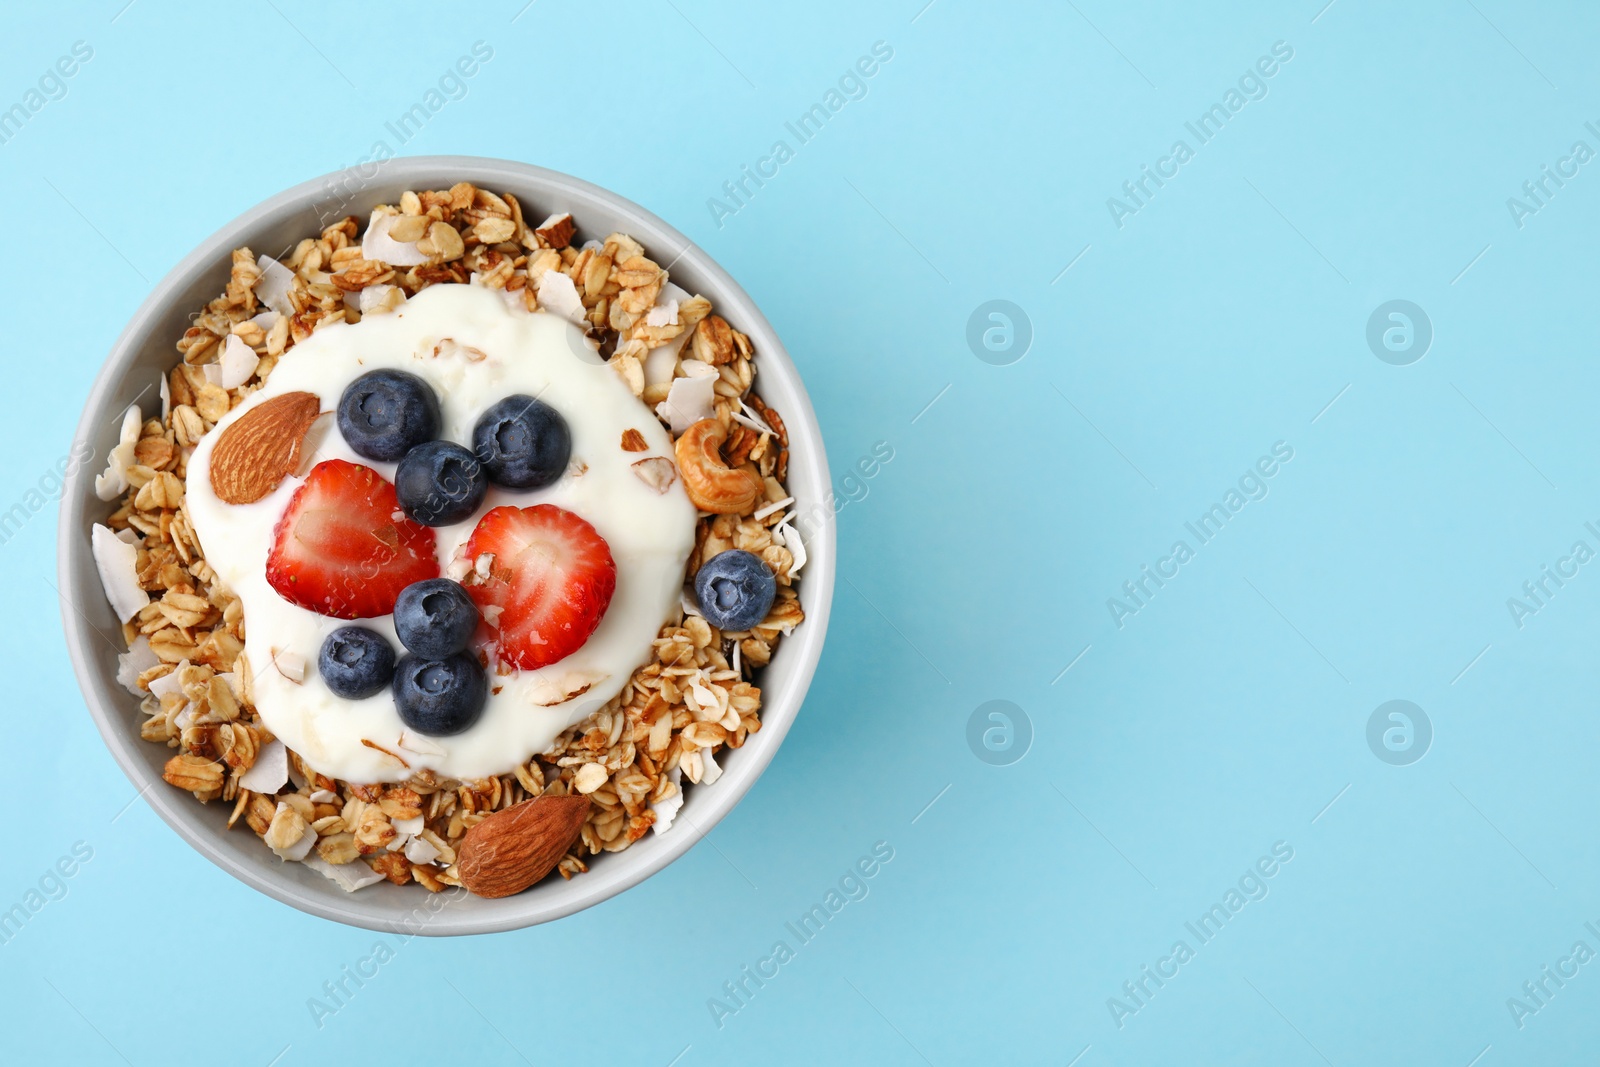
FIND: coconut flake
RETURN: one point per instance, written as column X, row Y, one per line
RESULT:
column 168, row 684
column 747, row 416
column 709, row 771
column 134, row 662
column 420, row 851
column 303, row 844
column 114, row 482
column 238, row 362
column 269, row 772
column 662, row 314
column 458, row 568
column 272, row 288
column 349, row 876
column 166, row 398
column 410, row 827
column 298, row 851
column 667, row 808
column 186, row 718
column 687, row 602
column 671, row 294
column 266, row 320
column 688, row 401
column 790, row 538
column 118, row 564
column 376, row 244
column 559, row 295
column 324, row 796
column 776, row 505
column 661, row 362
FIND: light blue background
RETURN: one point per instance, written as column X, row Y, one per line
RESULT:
column 1225, row 716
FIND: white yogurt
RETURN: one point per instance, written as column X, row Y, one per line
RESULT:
column 650, row 533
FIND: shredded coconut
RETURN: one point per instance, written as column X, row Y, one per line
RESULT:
column 377, row 245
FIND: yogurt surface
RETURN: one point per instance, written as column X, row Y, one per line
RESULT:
column 498, row 351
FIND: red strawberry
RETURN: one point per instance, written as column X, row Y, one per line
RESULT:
column 344, row 548
column 552, row 578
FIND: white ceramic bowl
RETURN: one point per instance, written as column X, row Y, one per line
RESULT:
column 146, row 350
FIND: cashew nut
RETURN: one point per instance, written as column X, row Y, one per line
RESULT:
column 706, row 478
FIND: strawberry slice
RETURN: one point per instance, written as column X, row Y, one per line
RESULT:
column 344, row 548
column 552, row 579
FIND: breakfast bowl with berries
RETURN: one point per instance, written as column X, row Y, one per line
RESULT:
column 461, row 548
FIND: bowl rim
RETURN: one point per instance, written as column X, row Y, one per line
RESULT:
column 194, row 822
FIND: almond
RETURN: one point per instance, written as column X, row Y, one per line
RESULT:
column 633, row 441
column 557, row 230
column 657, row 472
column 514, row 848
column 255, row 453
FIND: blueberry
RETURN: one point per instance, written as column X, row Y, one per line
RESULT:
column 435, row 618
column 384, row 413
column 439, row 482
column 735, row 589
column 439, row 696
column 523, row 442
column 355, row 662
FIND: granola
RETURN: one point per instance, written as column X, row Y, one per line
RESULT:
column 695, row 698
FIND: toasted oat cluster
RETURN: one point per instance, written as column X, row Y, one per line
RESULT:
column 694, row 698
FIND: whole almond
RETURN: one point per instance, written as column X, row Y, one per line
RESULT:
column 255, row 452
column 514, row 848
